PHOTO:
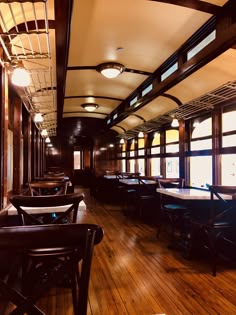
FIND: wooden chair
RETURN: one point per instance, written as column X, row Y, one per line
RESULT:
column 218, row 226
column 173, row 210
column 81, row 238
column 25, row 208
column 48, row 188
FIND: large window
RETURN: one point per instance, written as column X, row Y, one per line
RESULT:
column 172, row 167
column 228, row 160
column 155, row 166
column 200, row 152
column 200, row 171
column 172, row 141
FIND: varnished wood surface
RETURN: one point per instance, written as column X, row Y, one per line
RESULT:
column 134, row 273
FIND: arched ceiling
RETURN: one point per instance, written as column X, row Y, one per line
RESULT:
column 62, row 42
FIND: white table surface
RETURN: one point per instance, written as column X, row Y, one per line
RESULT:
column 188, row 194
column 37, row 210
column 135, row 181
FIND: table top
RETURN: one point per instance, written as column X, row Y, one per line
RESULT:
column 188, row 193
column 37, row 210
column 135, row 181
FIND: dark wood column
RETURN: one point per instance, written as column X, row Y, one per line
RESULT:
column 182, row 148
column 27, row 146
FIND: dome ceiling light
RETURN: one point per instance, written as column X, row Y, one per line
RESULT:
column 38, row 118
column 110, row 70
column 20, row 76
column 90, row 107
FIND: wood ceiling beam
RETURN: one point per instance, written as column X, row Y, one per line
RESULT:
column 63, row 13
column 194, row 4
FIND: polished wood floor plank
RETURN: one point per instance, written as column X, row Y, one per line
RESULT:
column 133, row 273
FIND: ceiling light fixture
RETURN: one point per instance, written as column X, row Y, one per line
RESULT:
column 38, row 118
column 20, row 76
column 122, row 141
column 44, row 133
column 140, row 134
column 110, row 70
column 175, row 123
column 47, row 140
column 90, row 107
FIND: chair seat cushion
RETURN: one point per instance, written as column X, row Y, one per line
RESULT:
column 175, row 207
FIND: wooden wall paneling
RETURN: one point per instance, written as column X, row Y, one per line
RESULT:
column 4, row 128
column 33, row 151
column 17, row 154
column 26, row 123
column 182, row 149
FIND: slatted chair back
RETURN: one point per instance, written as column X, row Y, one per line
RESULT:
column 40, row 188
column 25, row 206
column 170, row 182
column 80, row 237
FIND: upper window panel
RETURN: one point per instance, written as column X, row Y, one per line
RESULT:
column 203, row 129
column 228, row 121
column 172, row 135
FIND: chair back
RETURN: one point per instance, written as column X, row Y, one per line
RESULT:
column 25, row 206
column 223, row 203
column 80, row 237
column 170, row 182
column 40, row 188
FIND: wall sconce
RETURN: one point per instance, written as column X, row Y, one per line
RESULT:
column 90, row 107
column 110, row 70
column 175, row 123
column 20, row 76
column 38, row 118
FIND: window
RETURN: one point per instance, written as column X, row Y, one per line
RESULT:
column 172, row 141
column 155, row 166
column 228, row 169
column 141, row 146
column 155, row 149
column 229, row 129
column 77, row 160
column 132, row 166
column 168, row 72
column 141, row 167
column 172, row 167
column 201, row 138
column 207, row 40
column 200, row 171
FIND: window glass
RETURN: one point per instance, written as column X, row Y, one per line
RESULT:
column 155, row 167
column 123, row 147
column 229, row 141
column 168, row 72
column 201, row 144
column 131, row 153
column 228, row 169
column 203, row 129
column 172, row 167
column 141, row 143
column 207, row 40
column 141, row 152
column 228, row 121
column 141, row 167
column 132, row 166
column 123, row 154
column 155, row 150
column 172, row 135
column 172, row 148
column 132, row 145
column 123, row 165
column 200, row 171
column 77, row 159
column 156, row 139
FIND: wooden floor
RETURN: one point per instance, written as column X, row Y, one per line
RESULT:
column 134, row 273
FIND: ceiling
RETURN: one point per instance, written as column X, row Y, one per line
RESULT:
column 61, row 43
